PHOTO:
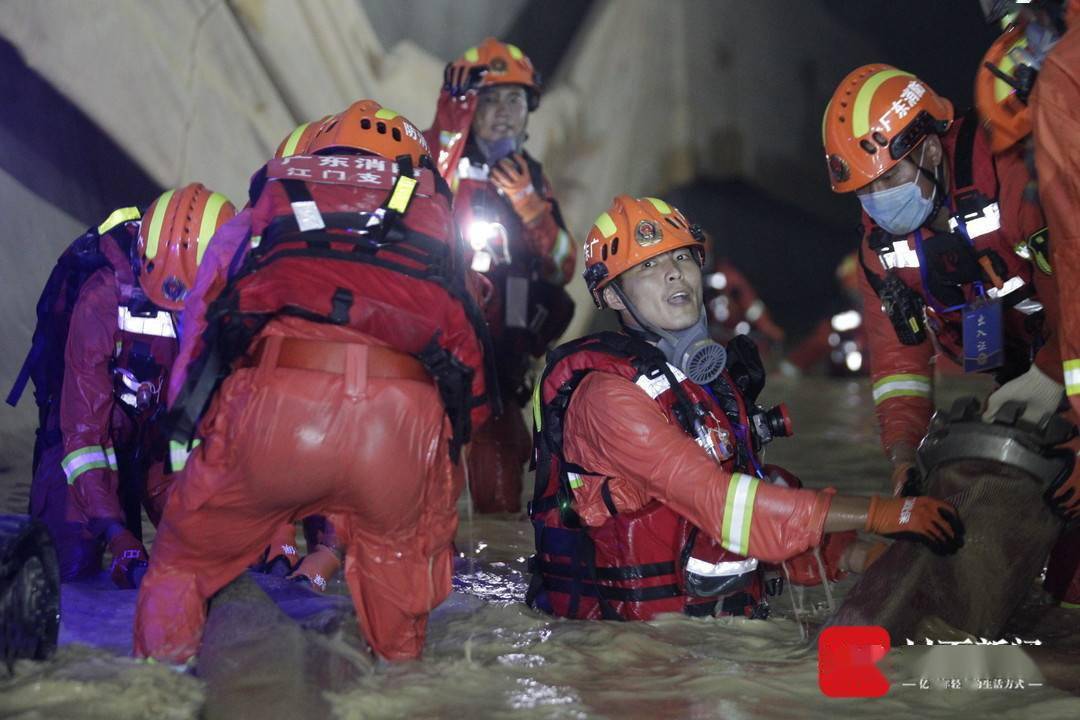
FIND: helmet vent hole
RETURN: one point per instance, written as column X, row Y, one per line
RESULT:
column 672, row 223
column 604, row 251
column 150, row 266
column 614, row 245
column 365, row 124
column 842, row 118
column 880, row 139
column 380, row 127
column 396, row 134
column 867, row 146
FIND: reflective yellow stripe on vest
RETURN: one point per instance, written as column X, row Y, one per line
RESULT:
column 904, row 385
column 1072, row 376
column 403, row 192
column 738, row 513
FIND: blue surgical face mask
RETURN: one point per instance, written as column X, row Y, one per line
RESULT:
column 902, row 209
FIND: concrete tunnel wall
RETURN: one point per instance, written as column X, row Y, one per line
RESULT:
column 648, row 96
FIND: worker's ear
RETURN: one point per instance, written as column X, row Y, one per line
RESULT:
column 612, row 299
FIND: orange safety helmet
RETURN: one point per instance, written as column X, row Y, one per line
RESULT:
column 366, row 125
column 299, row 140
column 506, row 65
column 630, row 232
column 175, row 231
column 876, row 116
column 1003, row 106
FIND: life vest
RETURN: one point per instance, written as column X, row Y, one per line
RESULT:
column 353, row 240
column 649, row 561
column 945, row 272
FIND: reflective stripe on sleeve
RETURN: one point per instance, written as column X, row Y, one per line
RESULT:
column 1072, row 376
column 91, row 457
column 738, row 513
column 907, row 385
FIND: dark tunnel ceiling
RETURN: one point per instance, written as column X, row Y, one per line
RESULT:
column 941, row 41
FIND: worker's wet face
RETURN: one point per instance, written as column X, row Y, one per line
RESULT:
column 501, row 112
column 665, row 291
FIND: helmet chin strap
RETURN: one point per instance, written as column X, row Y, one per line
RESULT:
column 691, row 349
column 940, row 192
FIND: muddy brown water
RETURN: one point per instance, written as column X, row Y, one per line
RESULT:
column 489, row 656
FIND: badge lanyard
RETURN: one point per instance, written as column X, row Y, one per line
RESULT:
column 981, row 318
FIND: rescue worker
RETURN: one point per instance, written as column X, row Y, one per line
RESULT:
column 1027, row 91
column 323, row 560
column 331, row 364
column 100, row 453
column 735, row 308
column 650, row 493
column 509, row 218
column 840, row 337
column 943, row 220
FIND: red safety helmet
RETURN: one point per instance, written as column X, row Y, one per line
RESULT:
column 173, row 237
column 506, row 65
column 366, row 125
column 298, row 141
column 630, row 232
column 877, row 115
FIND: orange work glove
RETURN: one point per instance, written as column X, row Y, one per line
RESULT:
column 129, row 559
column 1064, row 495
column 511, row 176
column 925, row 519
column 318, row 567
column 458, row 79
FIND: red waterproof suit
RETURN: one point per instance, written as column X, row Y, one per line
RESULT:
column 330, row 418
column 902, row 374
column 531, row 264
column 1057, row 162
column 109, row 446
column 633, row 515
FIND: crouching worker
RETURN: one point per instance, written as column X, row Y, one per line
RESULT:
column 332, row 366
column 650, row 493
column 104, row 343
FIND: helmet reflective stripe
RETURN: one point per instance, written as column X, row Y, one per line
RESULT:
column 660, row 205
column 515, row 51
column 294, row 140
column 738, row 513
column 120, row 215
column 156, row 221
column 472, row 54
column 860, row 114
column 209, row 223
column 605, row 225
column 385, row 114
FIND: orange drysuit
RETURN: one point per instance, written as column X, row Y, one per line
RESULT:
column 1054, row 104
column 540, row 256
column 317, row 419
column 901, row 374
column 115, row 344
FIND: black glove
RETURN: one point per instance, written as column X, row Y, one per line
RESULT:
column 460, row 79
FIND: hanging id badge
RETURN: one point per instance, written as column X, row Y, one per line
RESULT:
column 984, row 347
